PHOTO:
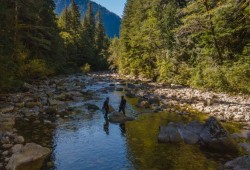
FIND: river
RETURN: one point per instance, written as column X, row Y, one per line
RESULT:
column 85, row 140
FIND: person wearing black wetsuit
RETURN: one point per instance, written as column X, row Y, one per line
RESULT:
column 122, row 105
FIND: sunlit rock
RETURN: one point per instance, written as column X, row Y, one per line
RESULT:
column 117, row 117
column 31, row 156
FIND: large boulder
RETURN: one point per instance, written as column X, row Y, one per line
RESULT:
column 30, row 157
column 209, row 135
column 214, row 136
column 117, row 117
column 170, row 133
column 240, row 163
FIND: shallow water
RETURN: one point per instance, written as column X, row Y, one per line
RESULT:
column 88, row 141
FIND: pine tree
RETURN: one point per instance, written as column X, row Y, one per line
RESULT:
column 87, row 38
column 74, row 17
column 64, row 21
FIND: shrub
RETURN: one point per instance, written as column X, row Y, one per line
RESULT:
column 34, row 69
column 86, row 68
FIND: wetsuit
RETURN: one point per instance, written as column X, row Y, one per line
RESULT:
column 122, row 106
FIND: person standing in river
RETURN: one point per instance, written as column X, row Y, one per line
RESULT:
column 122, row 105
column 106, row 107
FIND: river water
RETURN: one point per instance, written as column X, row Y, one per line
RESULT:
column 85, row 140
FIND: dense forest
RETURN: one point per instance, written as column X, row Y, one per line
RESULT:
column 35, row 43
column 200, row 43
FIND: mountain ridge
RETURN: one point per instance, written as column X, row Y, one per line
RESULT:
column 111, row 21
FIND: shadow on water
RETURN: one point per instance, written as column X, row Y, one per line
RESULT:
column 88, row 141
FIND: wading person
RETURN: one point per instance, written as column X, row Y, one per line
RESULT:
column 122, row 105
column 106, row 107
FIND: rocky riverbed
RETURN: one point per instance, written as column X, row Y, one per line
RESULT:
column 46, row 101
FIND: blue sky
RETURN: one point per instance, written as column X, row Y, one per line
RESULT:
column 115, row 6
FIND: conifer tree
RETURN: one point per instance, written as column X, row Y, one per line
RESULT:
column 74, row 17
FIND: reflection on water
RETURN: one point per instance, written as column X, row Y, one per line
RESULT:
column 88, row 141
column 106, row 126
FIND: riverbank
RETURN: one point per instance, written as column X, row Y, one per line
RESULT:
column 226, row 107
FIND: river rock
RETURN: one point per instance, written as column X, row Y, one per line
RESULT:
column 119, row 89
column 153, row 100
column 91, row 106
column 26, row 87
column 210, row 135
column 169, row 133
column 16, row 148
column 31, row 156
column 214, row 136
column 53, row 102
column 240, row 163
column 33, row 104
column 131, row 86
column 7, row 122
column 51, row 110
column 246, row 146
column 7, row 146
column 143, row 104
column 19, row 140
column 6, row 108
column 129, row 94
column 117, row 117
column 5, row 153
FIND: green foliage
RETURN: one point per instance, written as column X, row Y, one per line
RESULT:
column 34, row 69
column 86, row 68
column 204, row 44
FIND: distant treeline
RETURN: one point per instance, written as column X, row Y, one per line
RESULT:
column 201, row 43
column 34, row 43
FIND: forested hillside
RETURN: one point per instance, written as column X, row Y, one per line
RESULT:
column 201, row 43
column 35, row 44
column 111, row 21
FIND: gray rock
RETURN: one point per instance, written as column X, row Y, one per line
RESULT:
column 91, row 106
column 214, row 136
column 170, row 133
column 7, row 122
column 246, row 146
column 53, row 102
column 5, row 153
column 188, row 136
column 153, row 100
column 143, row 104
column 5, row 140
column 211, row 135
column 117, row 117
column 6, row 108
column 52, row 110
column 131, row 86
column 31, row 155
column 6, row 159
column 119, row 89
column 47, row 122
column 7, row 146
column 240, row 163
column 19, row 140
column 129, row 94
column 33, row 104
column 16, row 148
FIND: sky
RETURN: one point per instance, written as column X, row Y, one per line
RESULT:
column 115, row 6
